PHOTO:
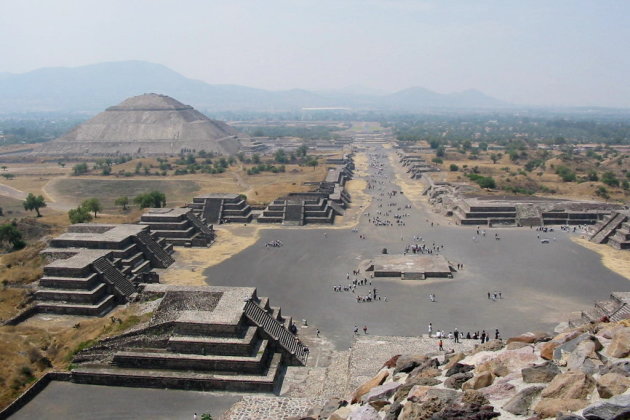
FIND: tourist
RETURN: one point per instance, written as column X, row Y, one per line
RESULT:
column 440, row 345
column 356, row 330
column 430, row 329
column 456, row 335
column 365, row 329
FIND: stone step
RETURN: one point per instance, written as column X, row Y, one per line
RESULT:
column 133, row 260
column 264, row 302
column 251, row 364
column 97, row 309
column 177, row 379
column 72, row 295
column 141, row 268
column 85, row 283
column 237, row 346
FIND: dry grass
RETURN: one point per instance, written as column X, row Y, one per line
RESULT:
column 613, row 259
column 42, row 343
column 509, row 173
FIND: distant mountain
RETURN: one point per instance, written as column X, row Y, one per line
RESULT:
column 95, row 87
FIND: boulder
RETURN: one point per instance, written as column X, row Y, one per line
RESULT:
column 391, row 362
column 570, row 345
column 427, row 365
column 530, row 337
column 540, row 373
column 367, row 386
column 421, row 372
column 341, row 413
column 570, row 417
column 454, row 359
column 622, row 368
column 616, row 408
column 520, row 403
column 612, row 384
column 499, row 391
column 569, row 385
column 620, row 345
column 493, row 345
column 547, row 349
column 479, row 381
column 552, row 407
column 364, row 412
column 585, row 356
column 467, row 412
column 515, row 345
column 417, row 392
column 331, row 406
column 456, row 381
column 459, row 368
column 472, row 396
column 381, row 392
column 428, row 404
column 514, row 360
column 407, row 363
column 393, row 411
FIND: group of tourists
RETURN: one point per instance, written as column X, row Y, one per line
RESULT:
column 456, row 336
column 274, row 244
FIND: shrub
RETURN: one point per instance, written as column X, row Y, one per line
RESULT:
column 454, row 168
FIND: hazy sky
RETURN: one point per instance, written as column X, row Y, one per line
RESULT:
column 549, row 52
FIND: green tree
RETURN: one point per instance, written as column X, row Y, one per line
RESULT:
column 610, row 178
column 150, row 199
column 280, row 156
column 92, row 205
column 122, row 201
column 312, row 162
column 440, row 152
column 79, row 215
column 301, row 151
column 33, row 202
column 454, row 168
column 10, row 234
column 256, row 158
column 495, row 157
column 80, row 169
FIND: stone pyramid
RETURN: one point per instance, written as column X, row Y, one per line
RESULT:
column 149, row 124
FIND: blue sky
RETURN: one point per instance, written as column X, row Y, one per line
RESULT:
column 529, row 52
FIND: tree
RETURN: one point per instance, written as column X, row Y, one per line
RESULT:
column 609, row 178
column 440, row 152
column 280, row 156
column 79, row 215
column 495, row 157
column 454, row 168
column 122, row 201
column 256, row 158
column 92, row 205
column 11, row 235
column 301, row 151
column 33, row 202
column 151, row 199
column 80, row 169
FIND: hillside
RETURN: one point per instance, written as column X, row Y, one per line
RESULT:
column 94, row 87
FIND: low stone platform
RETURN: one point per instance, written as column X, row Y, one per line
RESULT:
column 178, row 226
column 202, row 338
column 410, row 267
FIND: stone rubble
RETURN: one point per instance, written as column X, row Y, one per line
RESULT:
column 580, row 373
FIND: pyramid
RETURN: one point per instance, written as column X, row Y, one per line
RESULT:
column 149, row 124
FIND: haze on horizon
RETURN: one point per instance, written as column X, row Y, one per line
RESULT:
column 538, row 52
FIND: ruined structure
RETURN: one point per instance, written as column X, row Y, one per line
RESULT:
column 613, row 309
column 202, row 338
column 221, row 208
column 178, row 226
column 613, row 230
column 416, row 165
column 97, row 266
column 148, row 124
column 410, row 267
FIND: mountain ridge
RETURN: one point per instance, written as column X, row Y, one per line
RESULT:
column 94, row 87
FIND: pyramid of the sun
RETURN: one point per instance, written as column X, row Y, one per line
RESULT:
column 148, row 124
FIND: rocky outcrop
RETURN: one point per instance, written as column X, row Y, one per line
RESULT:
column 620, row 345
column 578, row 372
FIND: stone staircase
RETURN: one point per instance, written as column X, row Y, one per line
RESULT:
column 113, row 277
column 197, row 223
column 616, row 308
column 606, row 228
column 620, row 239
column 153, row 251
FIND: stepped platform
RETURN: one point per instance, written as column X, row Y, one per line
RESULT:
column 202, row 338
column 410, row 267
column 221, row 208
column 613, row 230
column 178, row 227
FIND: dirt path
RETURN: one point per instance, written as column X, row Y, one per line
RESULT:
column 14, row 193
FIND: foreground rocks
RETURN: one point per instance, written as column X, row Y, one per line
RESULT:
column 575, row 375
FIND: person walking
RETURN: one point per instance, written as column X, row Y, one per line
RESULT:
column 440, row 345
column 456, row 335
column 430, row 329
column 365, row 329
column 356, row 330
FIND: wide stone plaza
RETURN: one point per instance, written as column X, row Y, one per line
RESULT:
column 507, row 279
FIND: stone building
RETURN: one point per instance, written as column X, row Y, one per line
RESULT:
column 178, row 226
